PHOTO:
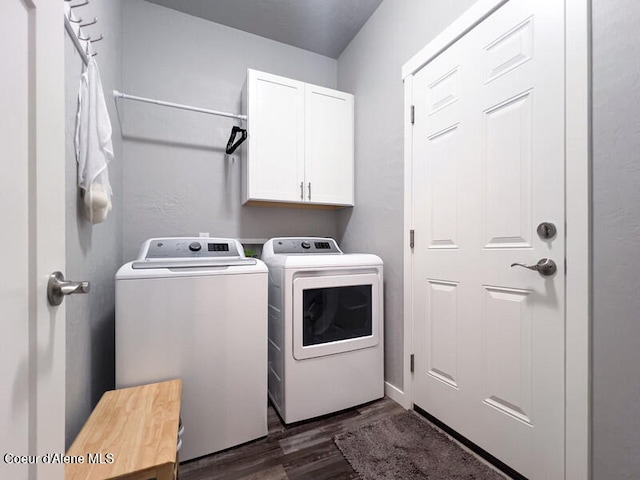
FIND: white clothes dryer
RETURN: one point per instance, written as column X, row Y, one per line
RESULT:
column 196, row 309
column 325, row 327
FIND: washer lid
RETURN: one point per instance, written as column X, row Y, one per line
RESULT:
column 193, row 263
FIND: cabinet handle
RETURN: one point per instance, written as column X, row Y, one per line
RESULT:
column 309, row 190
column 301, row 190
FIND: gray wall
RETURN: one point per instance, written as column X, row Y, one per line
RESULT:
column 93, row 252
column 370, row 68
column 616, row 239
column 177, row 178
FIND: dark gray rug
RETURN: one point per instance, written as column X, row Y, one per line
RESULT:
column 405, row 446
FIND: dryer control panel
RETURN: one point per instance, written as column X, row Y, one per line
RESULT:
column 311, row 245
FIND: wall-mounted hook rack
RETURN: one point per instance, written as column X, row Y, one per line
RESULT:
column 73, row 25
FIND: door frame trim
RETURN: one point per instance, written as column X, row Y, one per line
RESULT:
column 577, row 207
column 47, row 324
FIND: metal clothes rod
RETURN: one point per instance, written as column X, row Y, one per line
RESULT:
column 76, row 41
column 117, row 94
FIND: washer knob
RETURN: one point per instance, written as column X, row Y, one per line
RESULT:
column 195, row 246
column 306, row 245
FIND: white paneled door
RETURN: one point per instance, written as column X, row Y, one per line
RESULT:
column 32, row 355
column 488, row 163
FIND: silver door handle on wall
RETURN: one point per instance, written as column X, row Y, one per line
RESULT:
column 58, row 287
column 544, row 267
column 309, row 191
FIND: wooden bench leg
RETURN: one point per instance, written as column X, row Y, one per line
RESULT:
column 166, row 472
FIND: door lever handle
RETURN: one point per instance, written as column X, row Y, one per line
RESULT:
column 545, row 267
column 58, row 287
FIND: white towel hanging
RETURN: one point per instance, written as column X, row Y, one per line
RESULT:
column 94, row 149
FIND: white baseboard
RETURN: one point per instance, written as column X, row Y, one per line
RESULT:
column 397, row 395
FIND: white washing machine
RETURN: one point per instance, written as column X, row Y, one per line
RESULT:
column 325, row 327
column 196, row 309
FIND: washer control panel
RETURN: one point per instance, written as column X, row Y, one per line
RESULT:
column 311, row 245
column 191, row 247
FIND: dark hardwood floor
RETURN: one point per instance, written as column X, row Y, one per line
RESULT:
column 303, row 451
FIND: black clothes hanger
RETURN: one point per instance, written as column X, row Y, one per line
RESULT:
column 231, row 147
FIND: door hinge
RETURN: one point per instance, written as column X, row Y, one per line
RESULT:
column 413, row 114
column 412, row 238
column 412, row 361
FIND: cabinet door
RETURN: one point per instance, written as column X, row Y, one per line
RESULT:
column 328, row 146
column 274, row 166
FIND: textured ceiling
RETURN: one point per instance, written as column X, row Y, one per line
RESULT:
column 321, row 26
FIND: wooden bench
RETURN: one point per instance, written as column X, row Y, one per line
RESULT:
column 131, row 434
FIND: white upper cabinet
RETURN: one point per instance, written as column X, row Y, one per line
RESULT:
column 328, row 146
column 300, row 142
column 273, row 167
